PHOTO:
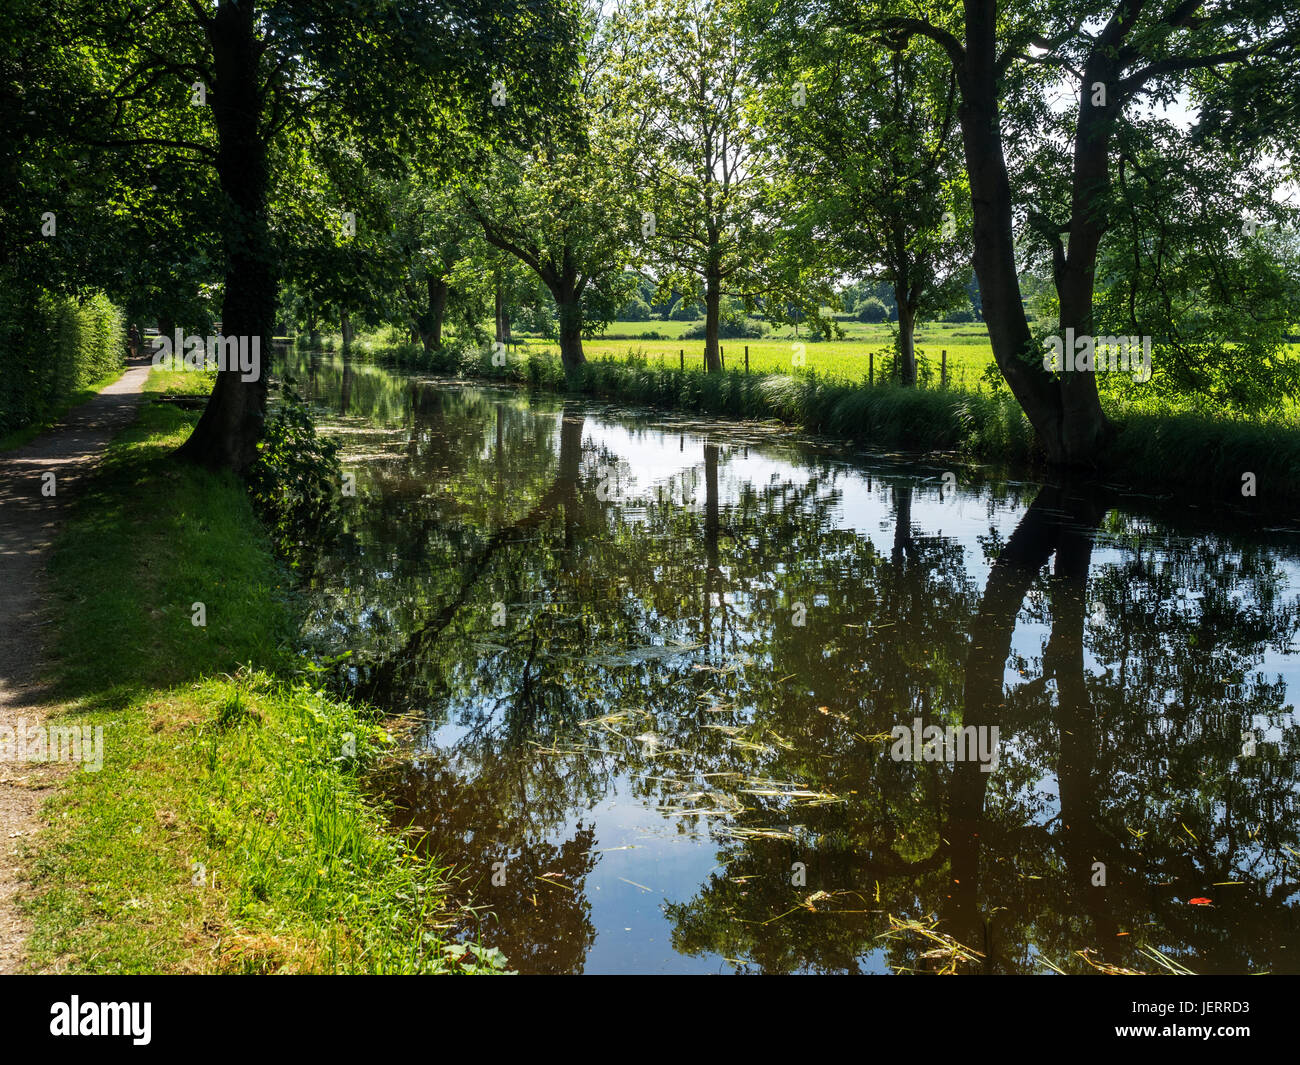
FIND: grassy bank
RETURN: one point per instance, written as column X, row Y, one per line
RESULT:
column 228, row 829
column 1186, row 456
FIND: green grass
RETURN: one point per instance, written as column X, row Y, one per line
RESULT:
column 847, row 359
column 843, row 360
column 1161, row 451
column 985, row 426
column 229, row 829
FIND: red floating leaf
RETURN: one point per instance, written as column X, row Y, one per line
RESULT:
column 1198, row 902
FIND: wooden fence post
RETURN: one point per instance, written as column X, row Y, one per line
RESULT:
column 943, row 368
column 746, row 358
column 871, row 367
column 682, row 355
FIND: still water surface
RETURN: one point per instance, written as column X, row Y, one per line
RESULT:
column 655, row 666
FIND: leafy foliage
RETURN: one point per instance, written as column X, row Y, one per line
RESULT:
column 53, row 346
column 295, row 481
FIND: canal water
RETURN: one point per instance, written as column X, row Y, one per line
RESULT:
column 691, row 696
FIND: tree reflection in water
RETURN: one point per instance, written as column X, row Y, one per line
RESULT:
column 652, row 652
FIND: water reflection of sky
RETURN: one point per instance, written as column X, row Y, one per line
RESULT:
column 643, row 859
column 964, row 516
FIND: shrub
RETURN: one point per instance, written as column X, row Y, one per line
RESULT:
column 870, row 309
column 734, row 329
column 635, row 310
column 295, row 481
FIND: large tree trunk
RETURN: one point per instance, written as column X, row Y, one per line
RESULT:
column 994, row 254
column 568, row 309
column 1086, row 429
column 431, row 330
column 345, row 327
column 227, row 434
column 712, row 321
column 906, row 340
column 1066, row 416
column 502, row 317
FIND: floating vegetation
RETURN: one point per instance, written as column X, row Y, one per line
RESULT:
column 721, row 804
column 793, row 792
column 653, row 652
column 1165, row 962
column 724, row 670
column 607, row 720
column 948, row 950
column 744, row 832
column 1105, row 967
column 564, row 752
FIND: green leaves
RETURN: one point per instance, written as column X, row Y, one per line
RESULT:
column 296, row 481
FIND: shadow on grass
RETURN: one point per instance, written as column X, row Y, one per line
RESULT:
column 153, row 547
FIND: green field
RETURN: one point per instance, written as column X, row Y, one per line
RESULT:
column 848, row 359
column 969, row 359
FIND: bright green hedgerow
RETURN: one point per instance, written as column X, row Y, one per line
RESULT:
column 56, row 352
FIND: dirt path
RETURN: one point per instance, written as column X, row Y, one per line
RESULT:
column 28, row 522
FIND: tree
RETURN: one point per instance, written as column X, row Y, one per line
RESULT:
column 1222, row 300
column 563, row 205
column 685, row 67
column 134, row 222
column 434, row 234
column 407, row 76
column 868, row 141
column 343, row 264
column 1113, row 57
